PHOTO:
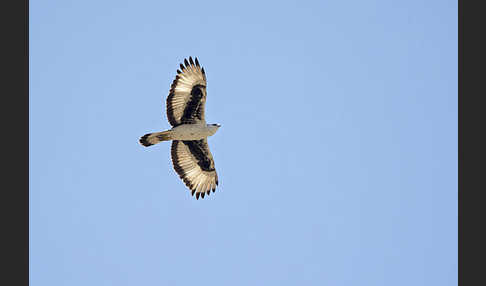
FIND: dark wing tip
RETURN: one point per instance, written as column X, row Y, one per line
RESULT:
column 179, row 72
column 182, row 67
column 191, row 61
column 186, row 62
column 202, row 70
column 197, row 62
column 197, row 196
column 202, row 195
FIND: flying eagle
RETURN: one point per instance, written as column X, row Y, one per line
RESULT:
column 190, row 153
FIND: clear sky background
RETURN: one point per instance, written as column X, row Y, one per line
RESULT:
column 337, row 155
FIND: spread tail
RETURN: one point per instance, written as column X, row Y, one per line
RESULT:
column 154, row 138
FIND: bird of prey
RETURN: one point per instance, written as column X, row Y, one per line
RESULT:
column 190, row 153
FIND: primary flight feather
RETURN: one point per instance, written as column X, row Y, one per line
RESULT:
column 190, row 153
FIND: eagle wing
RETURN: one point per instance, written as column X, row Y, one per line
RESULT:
column 194, row 164
column 187, row 96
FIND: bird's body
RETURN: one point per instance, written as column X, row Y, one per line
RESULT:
column 196, row 131
column 190, row 153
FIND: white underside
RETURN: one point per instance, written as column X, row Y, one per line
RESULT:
column 192, row 131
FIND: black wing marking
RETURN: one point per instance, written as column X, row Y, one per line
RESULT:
column 194, row 107
column 201, row 154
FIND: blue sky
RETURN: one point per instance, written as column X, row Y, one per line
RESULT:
column 337, row 155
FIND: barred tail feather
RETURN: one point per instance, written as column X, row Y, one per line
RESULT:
column 154, row 138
